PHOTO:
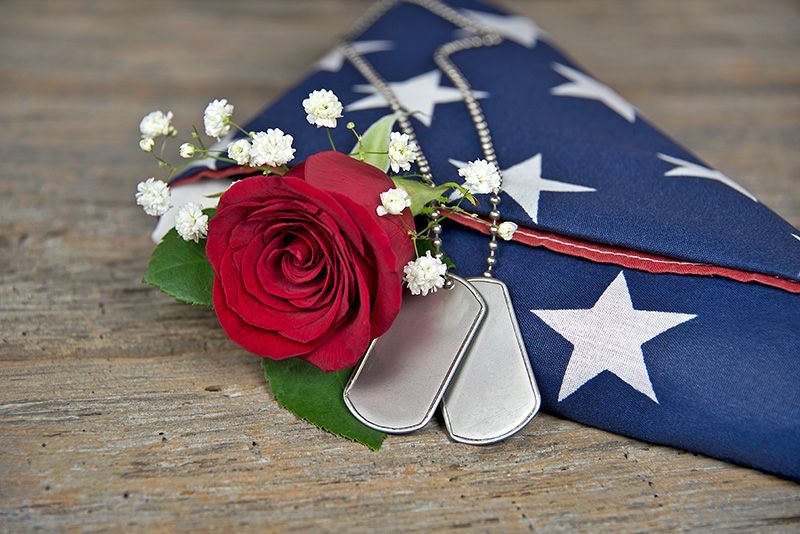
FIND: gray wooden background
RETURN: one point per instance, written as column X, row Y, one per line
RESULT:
column 120, row 408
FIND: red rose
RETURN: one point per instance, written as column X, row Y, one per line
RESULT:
column 304, row 266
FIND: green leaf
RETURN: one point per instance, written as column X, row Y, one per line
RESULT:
column 180, row 268
column 420, row 193
column 316, row 396
column 425, row 245
column 376, row 139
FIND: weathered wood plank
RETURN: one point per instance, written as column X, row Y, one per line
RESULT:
column 120, row 408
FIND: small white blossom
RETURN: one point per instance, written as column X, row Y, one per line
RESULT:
column 154, row 196
column 147, row 144
column 425, row 274
column 402, row 152
column 393, row 202
column 480, row 177
column 506, row 230
column 239, row 151
column 157, row 123
column 322, row 108
column 216, row 117
column 187, row 150
column 272, row 148
column 191, row 223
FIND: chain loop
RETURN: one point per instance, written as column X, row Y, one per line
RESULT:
column 443, row 61
column 482, row 37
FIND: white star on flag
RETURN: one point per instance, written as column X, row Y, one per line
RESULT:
column 515, row 28
column 524, row 183
column 796, row 236
column 693, row 170
column 609, row 337
column 418, row 95
column 583, row 86
column 334, row 60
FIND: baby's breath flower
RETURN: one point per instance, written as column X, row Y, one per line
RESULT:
column 322, row 108
column 239, row 151
column 187, row 150
column 216, row 118
column 506, row 230
column 480, row 177
column 272, row 148
column 191, row 223
column 425, row 274
column 393, row 202
column 147, row 144
column 402, row 152
column 154, row 196
column 157, row 123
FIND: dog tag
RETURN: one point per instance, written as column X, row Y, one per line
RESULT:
column 404, row 373
column 494, row 393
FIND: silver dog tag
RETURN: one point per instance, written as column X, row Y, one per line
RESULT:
column 494, row 393
column 404, row 373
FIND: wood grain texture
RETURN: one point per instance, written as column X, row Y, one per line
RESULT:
column 122, row 409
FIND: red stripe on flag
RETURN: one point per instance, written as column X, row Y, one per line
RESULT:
column 623, row 257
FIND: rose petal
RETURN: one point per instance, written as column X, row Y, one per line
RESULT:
column 258, row 341
column 347, row 343
column 336, row 173
column 387, row 291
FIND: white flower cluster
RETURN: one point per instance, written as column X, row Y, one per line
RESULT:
column 272, row 148
column 425, row 274
column 147, row 144
column 155, row 124
column 156, row 199
column 322, row 108
column 154, row 196
column 506, row 230
column 402, row 152
column 191, row 223
column 216, row 118
column 480, row 177
column 187, row 150
column 393, row 202
column 239, row 151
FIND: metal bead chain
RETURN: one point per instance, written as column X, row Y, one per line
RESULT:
column 369, row 74
column 483, row 37
column 442, row 59
column 368, row 18
column 434, row 6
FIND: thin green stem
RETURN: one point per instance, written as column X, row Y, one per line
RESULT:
column 410, row 175
column 232, row 123
column 359, row 144
column 330, row 138
column 158, row 158
column 197, row 137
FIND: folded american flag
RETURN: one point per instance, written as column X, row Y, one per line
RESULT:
column 656, row 296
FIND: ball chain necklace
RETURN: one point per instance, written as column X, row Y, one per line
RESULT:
column 461, row 346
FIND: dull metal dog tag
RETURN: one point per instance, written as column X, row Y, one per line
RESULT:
column 404, row 373
column 494, row 393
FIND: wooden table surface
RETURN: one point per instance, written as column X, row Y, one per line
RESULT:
column 120, row 408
